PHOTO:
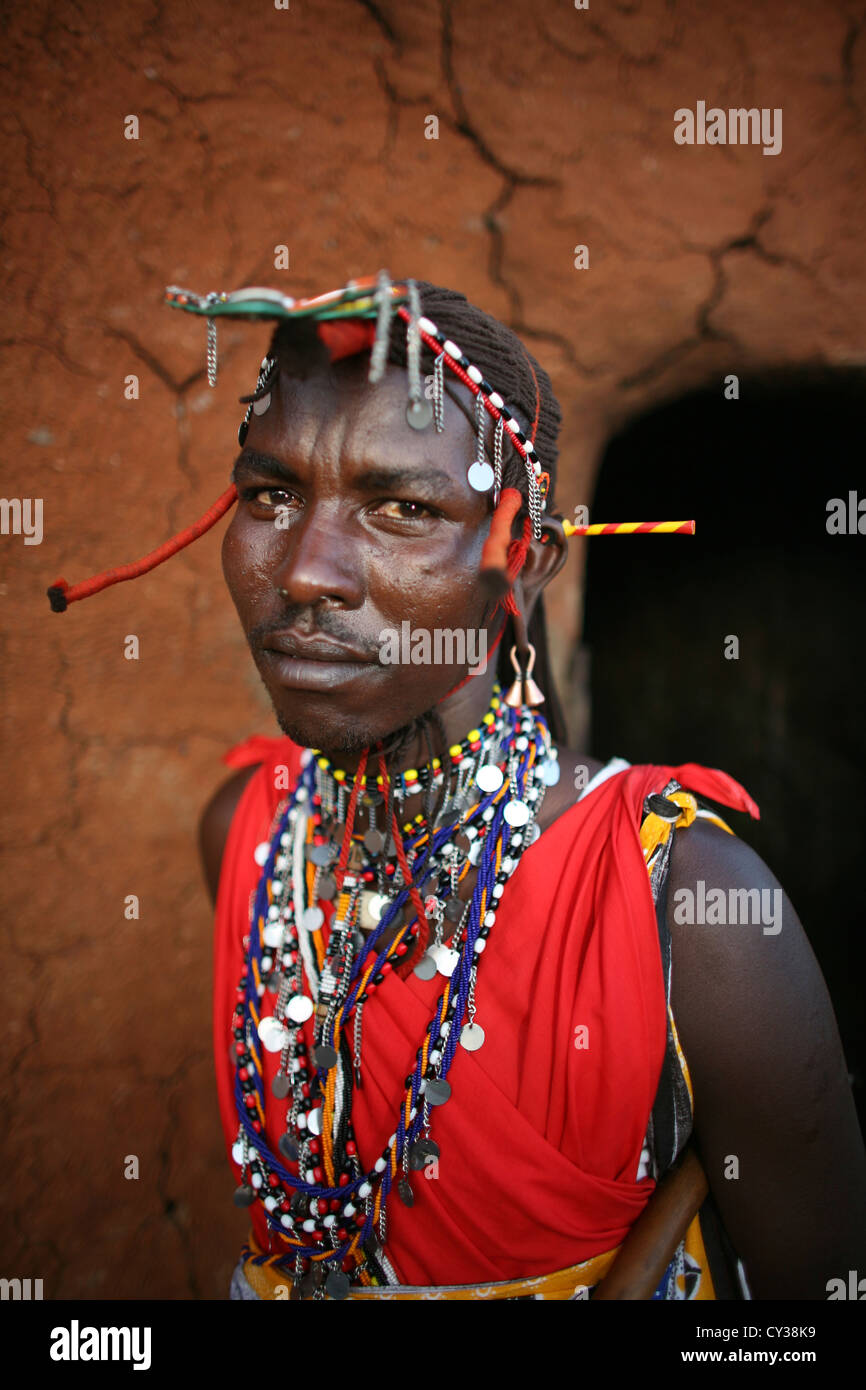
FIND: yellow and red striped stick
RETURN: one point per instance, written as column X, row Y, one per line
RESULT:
column 629, row 528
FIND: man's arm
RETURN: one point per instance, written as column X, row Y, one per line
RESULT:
column 772, row 1098
column 214, row 824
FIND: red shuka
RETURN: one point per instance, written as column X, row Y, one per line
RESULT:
column 541, row 1139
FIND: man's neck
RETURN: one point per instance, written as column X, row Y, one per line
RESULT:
column 461, row 712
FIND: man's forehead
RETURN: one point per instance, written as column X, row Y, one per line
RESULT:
column 340, row 411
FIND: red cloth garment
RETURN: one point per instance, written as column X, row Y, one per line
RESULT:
column 541, row 1139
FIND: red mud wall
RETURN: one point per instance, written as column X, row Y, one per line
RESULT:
column 306, row 127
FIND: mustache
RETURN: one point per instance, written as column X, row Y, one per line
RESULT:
column 304, row 623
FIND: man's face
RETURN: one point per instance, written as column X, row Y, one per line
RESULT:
column 377, row 526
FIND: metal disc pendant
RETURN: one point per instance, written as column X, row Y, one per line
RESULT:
column 299, row 1008
column 314, row 1120
column 405, row 1193
column 324, row 1056
column 281, row 1085
column 318, row 854
column 490, row 778
column 516, row 812
column 337, row 1284
column 262, row 404
column 449, row 818
column 244, row 1196
column 472, row 1036
column 447, row 961
column 312, row 918
column 272, row 1035
column 454, row 909
column 438, row 1091
column 327, row 886
column 273, row 934
column 311, row 1280
column 374, row 841
column 287, row 1147
column 371, row 908
column 550, row 772
column 421, row 1152
column 377, row 905
column 480, row 477
column 426, row 967
column 419, row 414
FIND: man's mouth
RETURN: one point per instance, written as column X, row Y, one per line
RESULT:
column 303, row 662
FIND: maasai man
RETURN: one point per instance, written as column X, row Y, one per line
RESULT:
column 471, row 1010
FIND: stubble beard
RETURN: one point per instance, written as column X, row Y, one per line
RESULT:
column 353, row 740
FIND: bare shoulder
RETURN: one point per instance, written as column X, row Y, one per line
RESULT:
column 214, row 822
column 775, row 1122
column 576, row 770
column 734, row 931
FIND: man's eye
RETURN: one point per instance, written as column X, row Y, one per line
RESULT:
column 404, row 510
column 268, row 496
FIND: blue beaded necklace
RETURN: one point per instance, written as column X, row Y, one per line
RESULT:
column 326, row 1249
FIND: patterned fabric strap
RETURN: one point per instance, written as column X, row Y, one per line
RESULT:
column 689, row 1275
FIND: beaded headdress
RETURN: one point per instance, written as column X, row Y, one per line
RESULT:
column 355, row 318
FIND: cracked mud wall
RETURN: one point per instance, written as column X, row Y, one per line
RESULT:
column 305, row 127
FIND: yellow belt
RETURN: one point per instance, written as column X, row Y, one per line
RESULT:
column 572, row 1283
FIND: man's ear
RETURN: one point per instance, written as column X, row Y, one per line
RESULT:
column 544, row 559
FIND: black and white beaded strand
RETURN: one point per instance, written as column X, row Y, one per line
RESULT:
column 497, row 408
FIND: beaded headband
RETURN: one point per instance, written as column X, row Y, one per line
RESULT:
column 350, row 320
column 368, row 299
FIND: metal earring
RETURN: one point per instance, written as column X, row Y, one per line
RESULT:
column 524, row 690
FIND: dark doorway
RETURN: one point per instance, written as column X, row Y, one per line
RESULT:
column 787, row 718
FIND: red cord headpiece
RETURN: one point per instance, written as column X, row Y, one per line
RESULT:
column 348, row 321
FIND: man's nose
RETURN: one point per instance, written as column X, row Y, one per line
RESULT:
column 318, row 560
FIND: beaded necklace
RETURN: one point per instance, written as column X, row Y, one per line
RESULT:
column 327, row 1212
column 404, row 784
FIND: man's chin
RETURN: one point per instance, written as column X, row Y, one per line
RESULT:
column 350, row 737
column 312, row 722
column 352, row 740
